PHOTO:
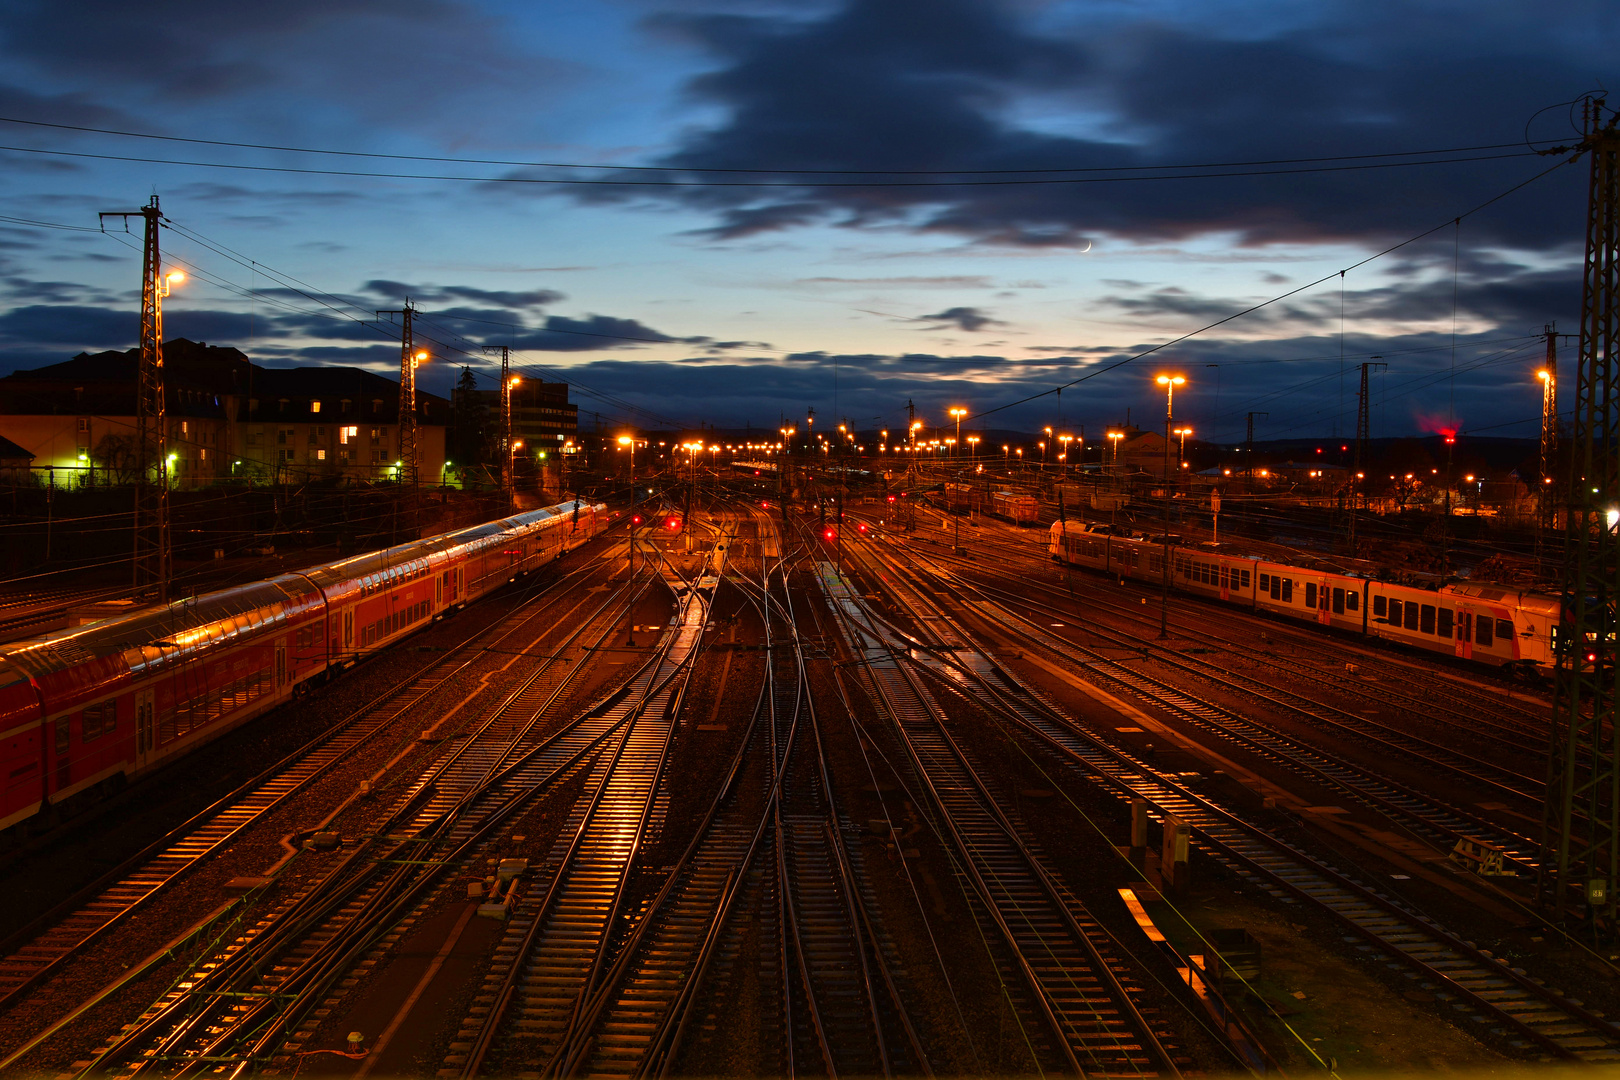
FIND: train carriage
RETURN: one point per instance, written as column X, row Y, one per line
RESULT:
column 1016, row 507
column 1482, row 623
column 115, row 698
column 86, row 708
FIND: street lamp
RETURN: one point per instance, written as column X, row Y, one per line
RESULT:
column 1114, row 437
column 973, row 443
column 1169, row 382
column 1065, row 440
column 957, row 414
column 1181, row 455
column 627, row 440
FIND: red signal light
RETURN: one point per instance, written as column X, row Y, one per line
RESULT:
column 862, row 526
column 891, row 498
column 673, row 523
column 636, row 520
column 831, row 534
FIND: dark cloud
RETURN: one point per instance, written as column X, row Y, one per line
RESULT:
column 965, row 318
column 595, row 332
column 938, row 85
column 69, row 325
column 397, row 291
column 354, row 59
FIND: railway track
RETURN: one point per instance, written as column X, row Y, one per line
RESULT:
column 1420, row 812
column 1455, row 702
column 563, row 930
column 437, row 824
column 145, row 876
column 1081, row 1003
column 1464, row 978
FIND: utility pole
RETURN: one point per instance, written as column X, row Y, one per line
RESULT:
column 507, row 383
column 151, row 560
column 1546, row 491
column 1248, row 445
column 408, row 359
column 1580, row 854
column 1363, row 428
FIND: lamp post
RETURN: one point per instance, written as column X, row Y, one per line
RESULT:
column 1169, row 382
column 957, row 414
column 507, row 466
column 973, row 446
column 1114, row 437
column 1065, row 440
column 1042, row 445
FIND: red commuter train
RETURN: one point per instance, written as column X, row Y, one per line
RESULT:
column 85, row 709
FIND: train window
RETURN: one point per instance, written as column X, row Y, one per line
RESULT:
column 1482, row 632
column 1245, row 579
column 1411, row 615
column 1287, row 590
column 61, row 738
column 1443, row 627
column 1265, row 582
column 1380, row 606
column 1504, row 629
column 1310, row 594
column 1426, row 624
column 1351, row 601
column 1394, row 612
column 1338, row 601
column 98, row 720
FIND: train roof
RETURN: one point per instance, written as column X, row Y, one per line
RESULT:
column 162, row 634
column 374, row 562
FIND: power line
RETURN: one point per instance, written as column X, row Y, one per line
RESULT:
column 564, row 181
column 1283, row 296
column 455, row 160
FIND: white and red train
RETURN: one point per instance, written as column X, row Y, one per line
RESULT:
column 91, row 707
column 1489, row 624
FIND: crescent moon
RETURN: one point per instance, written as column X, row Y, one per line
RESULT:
column 1088, row 247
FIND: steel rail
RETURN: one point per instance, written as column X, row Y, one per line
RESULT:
column 995, row 851
column 72, row 925
column 1544, row 1018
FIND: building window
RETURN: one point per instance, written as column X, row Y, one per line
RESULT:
column 84, row 424
column 185, row 427
column 286, row 456
column 314, row 406
column 347, row 433
column 253, row 438
column 376, row 404
column 376, row 457
column 284, row 436
column 320, row 455
column 345, row 456
column 343, row 406
column 204, row 453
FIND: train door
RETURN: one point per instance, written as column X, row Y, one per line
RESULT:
column 145, row 728
column 1465, row 634
column 62, row 739
column 281, row 663
column 348, row 630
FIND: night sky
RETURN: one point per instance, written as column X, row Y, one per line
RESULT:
column 1068, row 185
